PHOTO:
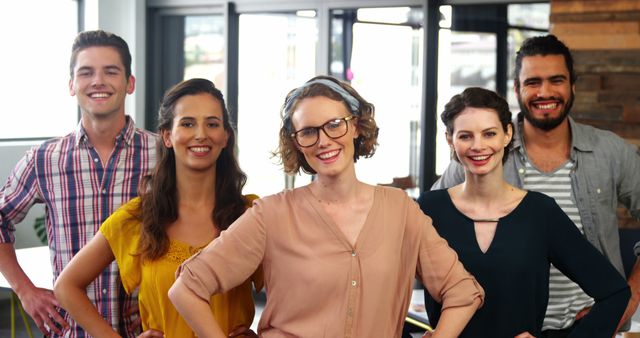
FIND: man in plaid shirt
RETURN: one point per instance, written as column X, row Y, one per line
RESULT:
column 81, row 178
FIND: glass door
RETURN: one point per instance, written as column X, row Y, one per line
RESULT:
column 465, row 59
column 277, row 52
column 379, row 50
column 183, row 44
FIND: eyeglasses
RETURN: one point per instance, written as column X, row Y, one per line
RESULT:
column 334, row 129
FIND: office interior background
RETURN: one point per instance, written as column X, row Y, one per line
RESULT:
column 407, row 57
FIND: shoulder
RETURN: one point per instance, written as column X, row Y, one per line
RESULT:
column 145, row 140
column 431, row 195
column 51, row 149
column 276, row 202
column 56, row 144
column 540, row 206
column 538, row 198
column 390, row 192
column 126, row 221
column 600, row 140
column 146, row 134
column 392, row 198
column 128, row 211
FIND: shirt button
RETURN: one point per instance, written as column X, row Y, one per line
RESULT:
column 598, row 190
column 95, row 160
column 521, row 171
column 354, row 283
column 353, row 253
column 104, row 291
column 104, row 191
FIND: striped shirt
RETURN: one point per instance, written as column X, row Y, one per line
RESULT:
column 566, row 298
column 79, row 193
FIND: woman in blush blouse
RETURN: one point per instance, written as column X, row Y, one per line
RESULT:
column 339, row 255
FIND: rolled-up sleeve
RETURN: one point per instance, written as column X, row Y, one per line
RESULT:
column 17, row 196
column 444, row 277
column 229, row 260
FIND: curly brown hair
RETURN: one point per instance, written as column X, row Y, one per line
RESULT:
column 365, row 144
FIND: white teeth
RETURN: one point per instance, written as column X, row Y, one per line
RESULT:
column 330, row 154
column 547, row 106
column 200, row 149
column 99, row 95
column 480, row 158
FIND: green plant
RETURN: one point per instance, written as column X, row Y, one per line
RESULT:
column 41, row 229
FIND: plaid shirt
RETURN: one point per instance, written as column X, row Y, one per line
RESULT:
column 79, row 193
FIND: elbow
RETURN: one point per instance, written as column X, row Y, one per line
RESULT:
column 60, row 291
column 173, row 293
column 176, row 294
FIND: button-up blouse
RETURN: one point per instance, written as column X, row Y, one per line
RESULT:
column 317, row 283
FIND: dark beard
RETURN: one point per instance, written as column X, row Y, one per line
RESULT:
column 546, row 123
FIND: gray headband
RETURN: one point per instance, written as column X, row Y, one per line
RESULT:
column 352, row 102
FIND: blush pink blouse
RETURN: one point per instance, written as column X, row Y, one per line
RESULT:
column 317, row 283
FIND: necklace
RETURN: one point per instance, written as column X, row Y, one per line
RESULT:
column 486, row 220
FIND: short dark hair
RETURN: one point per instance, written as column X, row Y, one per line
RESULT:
column 477, row 97
column 100, row 38
column 543, row 45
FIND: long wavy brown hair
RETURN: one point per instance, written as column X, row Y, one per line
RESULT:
column 158, row 191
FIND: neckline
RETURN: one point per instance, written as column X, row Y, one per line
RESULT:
column 316, row 205
column 471, row 222
column 568, row 164
column 514, row 210
column 186, row 245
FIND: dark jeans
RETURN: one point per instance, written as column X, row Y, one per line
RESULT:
column 564, row 333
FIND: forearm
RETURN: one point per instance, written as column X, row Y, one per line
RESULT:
column 74, row 300
column 602, row 318
column 634, row 285
column 195, row 310
column 454, row 319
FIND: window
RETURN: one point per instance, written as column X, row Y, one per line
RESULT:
column 473, row 42
column 271, row 62
column 34, row 65
column 362, row 40
column 525, row 21
column 204, row 48
column 183, row 43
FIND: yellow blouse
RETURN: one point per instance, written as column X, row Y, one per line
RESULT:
column 154, row 278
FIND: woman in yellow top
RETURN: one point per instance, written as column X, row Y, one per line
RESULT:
column 192, row 195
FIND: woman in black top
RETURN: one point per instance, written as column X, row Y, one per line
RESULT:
column 507, row 237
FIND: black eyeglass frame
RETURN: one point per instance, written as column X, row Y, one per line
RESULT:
column 346, row 119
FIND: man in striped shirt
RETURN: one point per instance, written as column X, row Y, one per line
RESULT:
column 81, row 178
column 586, row 170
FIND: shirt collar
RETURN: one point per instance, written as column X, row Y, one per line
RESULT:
column 126, row 133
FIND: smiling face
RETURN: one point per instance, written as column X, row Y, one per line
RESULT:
column 479, row 140
column 328, row 157
column 99, row 82
column 545, row 93
column 197, row 135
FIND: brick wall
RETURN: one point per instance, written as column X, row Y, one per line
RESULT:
column 604, row 37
